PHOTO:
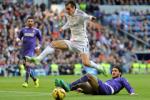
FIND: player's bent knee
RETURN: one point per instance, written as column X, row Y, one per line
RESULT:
column 53, row 44
column 90, row 77
column 86, row 63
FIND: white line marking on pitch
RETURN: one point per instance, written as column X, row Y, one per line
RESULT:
column 27, row 93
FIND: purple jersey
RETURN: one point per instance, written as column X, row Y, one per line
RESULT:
column 29, row 36
column 113, row 86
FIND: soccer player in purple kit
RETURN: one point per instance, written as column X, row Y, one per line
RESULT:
column 28, row 36
column 89, row 84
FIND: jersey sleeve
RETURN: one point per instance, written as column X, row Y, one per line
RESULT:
column 84, row 15
column 39, row 36
column 66, row 26
column 20, row 35
column 127, row 86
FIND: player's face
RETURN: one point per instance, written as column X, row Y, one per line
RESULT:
column 70, row 9
column 115, row 73
column 30, row 22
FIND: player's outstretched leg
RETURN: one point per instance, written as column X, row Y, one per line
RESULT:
column 68, row 87
column 36, row 60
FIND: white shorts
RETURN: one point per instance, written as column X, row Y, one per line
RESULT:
column 78, row 46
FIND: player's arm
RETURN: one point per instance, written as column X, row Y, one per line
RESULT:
column 20, row 35
column 127, row 86
column 61, row 14
column 66, row 26
column 86, row 16
column 39, row 36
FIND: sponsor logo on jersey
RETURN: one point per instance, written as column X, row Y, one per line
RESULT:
column 29, row 34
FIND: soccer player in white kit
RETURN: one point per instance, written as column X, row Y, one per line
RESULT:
column 76, row 21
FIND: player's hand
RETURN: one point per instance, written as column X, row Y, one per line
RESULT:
column 18, row 40
column 17, row 43
column 37, row 50
column 61, row 30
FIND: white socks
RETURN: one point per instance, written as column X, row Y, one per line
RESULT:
column 45, row 52
column 96, row 66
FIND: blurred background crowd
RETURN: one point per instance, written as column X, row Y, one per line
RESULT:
column 121, row 37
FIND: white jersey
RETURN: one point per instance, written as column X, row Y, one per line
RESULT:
column 77, row 24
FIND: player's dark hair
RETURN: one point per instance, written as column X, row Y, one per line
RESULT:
column 30, row 17
column 73, row 4
column 119, row 68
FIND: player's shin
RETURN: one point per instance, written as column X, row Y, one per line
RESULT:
column 81, row 80
column 98, row 67
column 32, row 75
column 27, row 74
column 47, row 50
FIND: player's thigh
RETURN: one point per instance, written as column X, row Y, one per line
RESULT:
column 27, row 63
column 85, row 58
column 93, row 81
column 60, row 44
column 86, row 88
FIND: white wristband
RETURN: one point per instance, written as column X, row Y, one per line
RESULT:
column 17, row 39
column 38, row 47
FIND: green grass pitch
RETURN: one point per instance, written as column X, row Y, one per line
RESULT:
column 11, row 89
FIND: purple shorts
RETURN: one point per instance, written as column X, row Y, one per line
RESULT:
column 104, row 89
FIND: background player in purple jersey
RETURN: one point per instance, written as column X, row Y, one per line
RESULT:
column 28, row 35
column 89, row 84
